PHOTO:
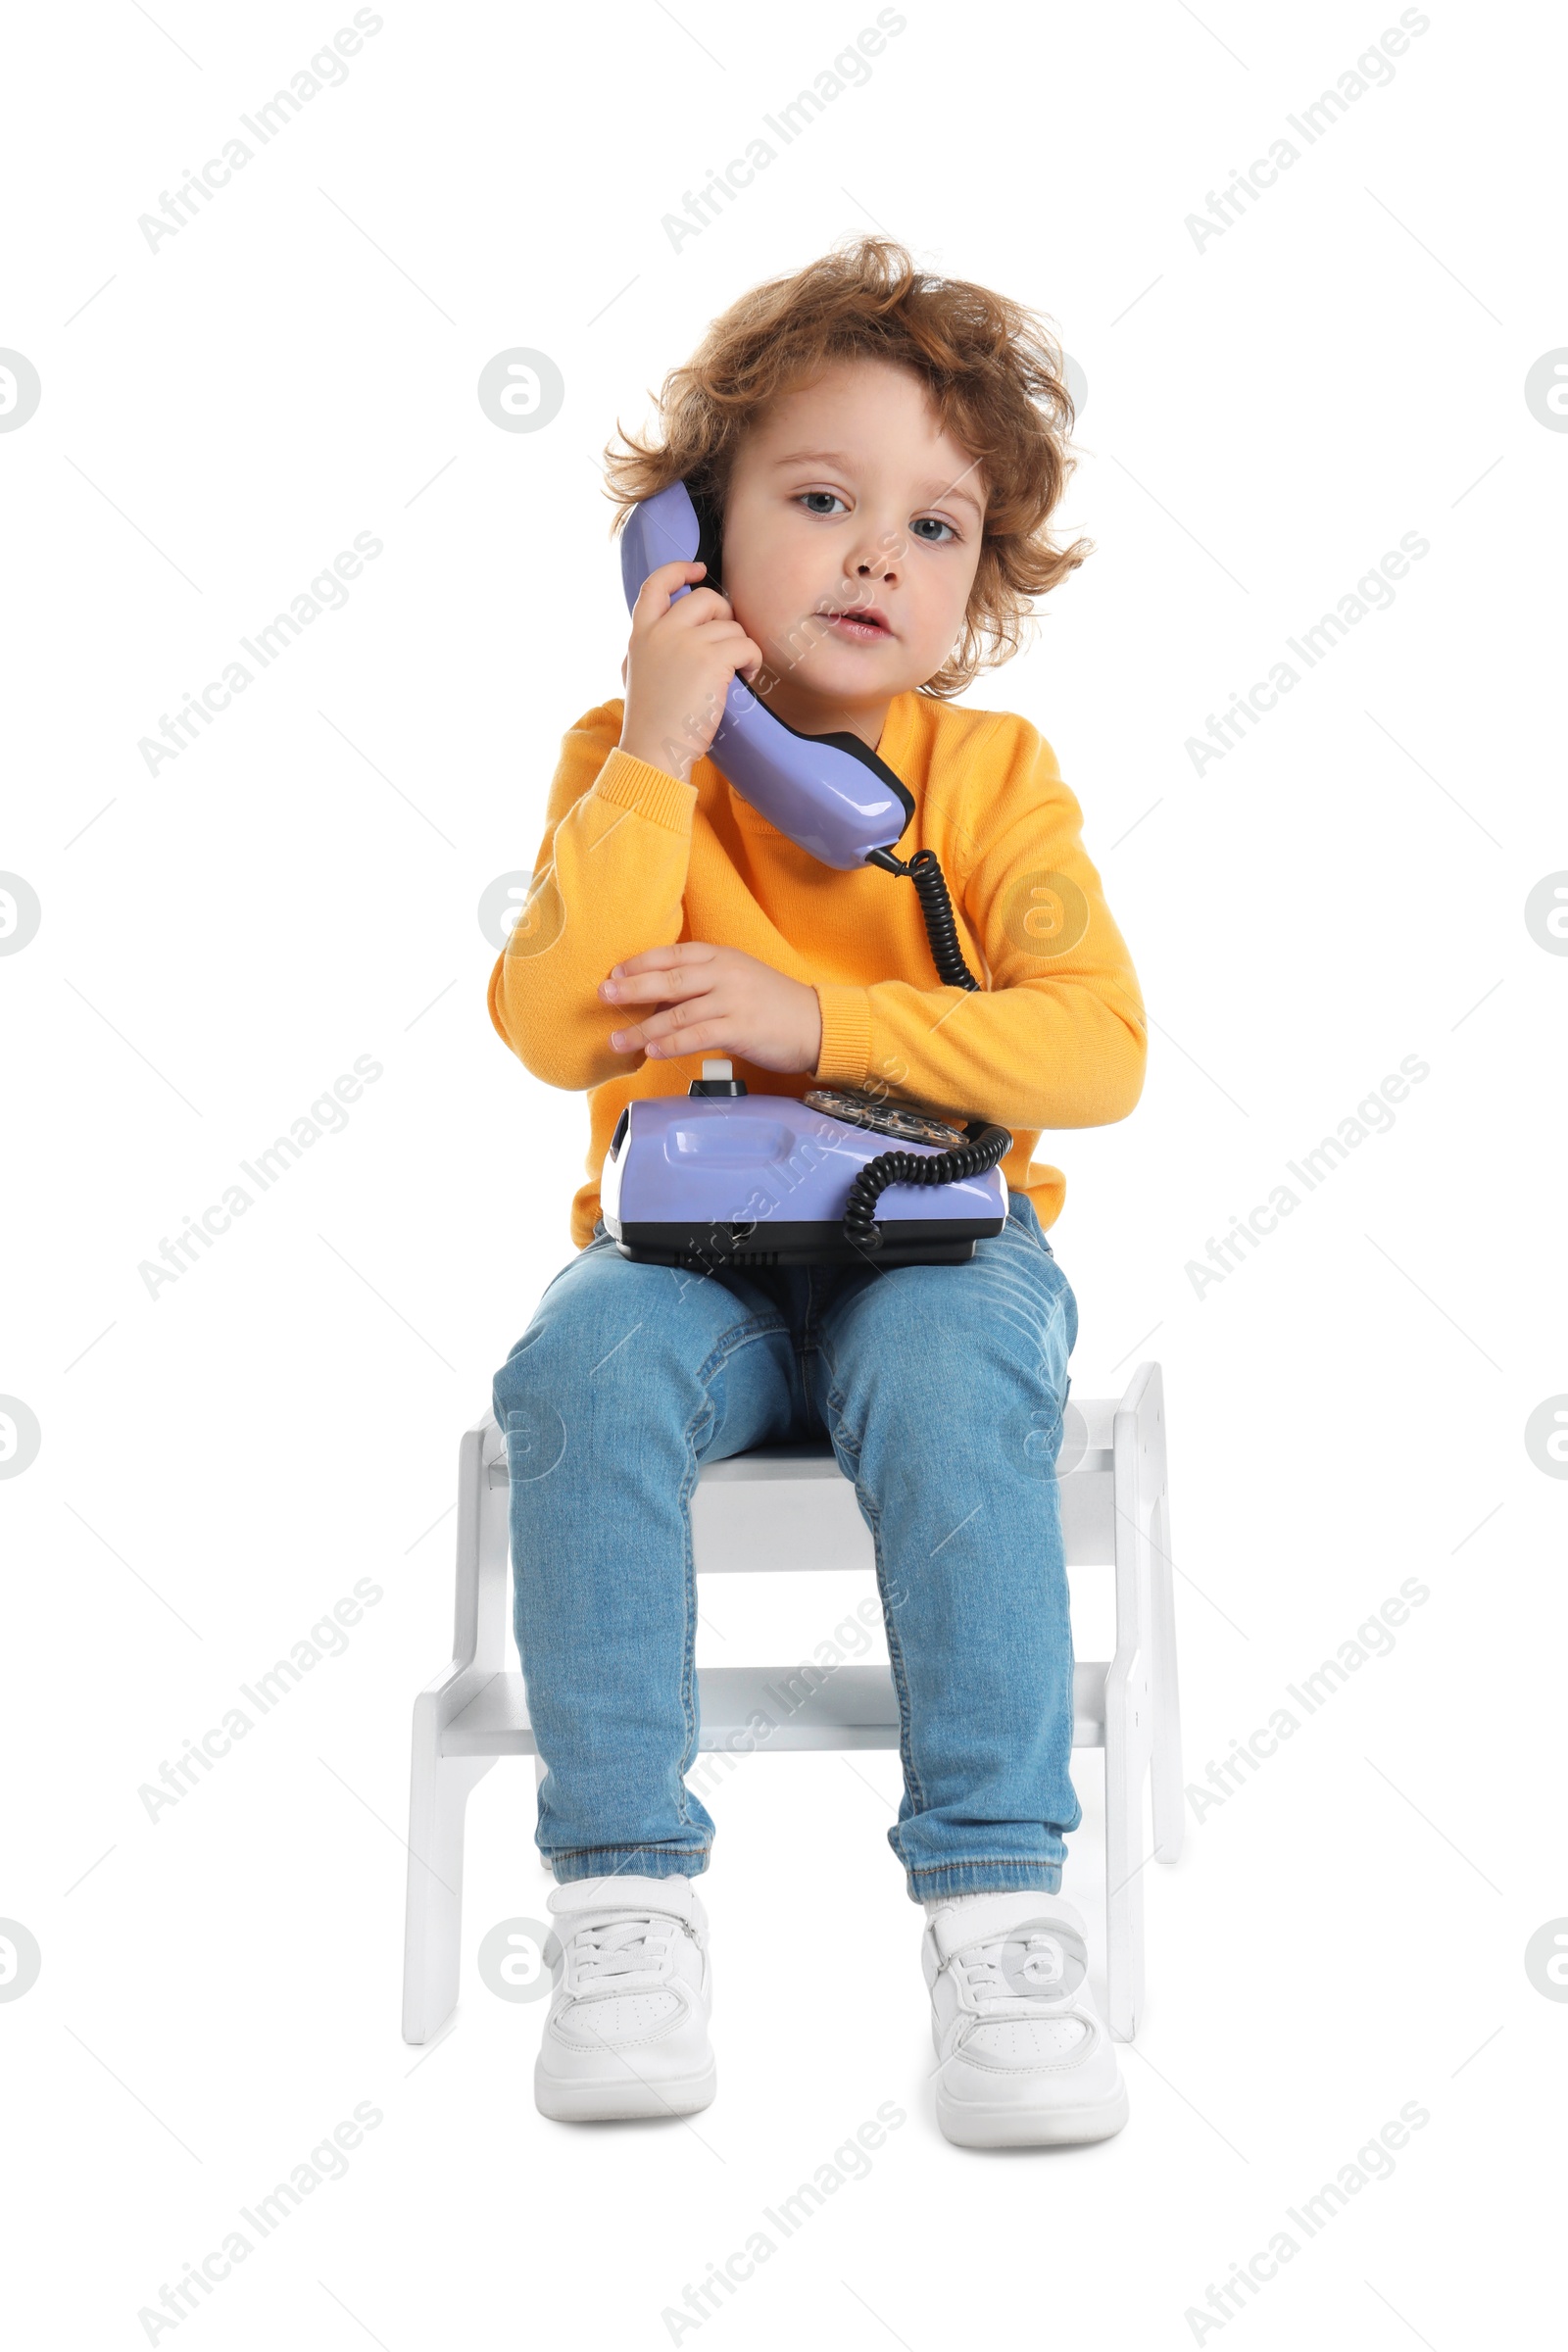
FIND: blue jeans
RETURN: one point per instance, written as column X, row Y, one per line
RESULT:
column 942, row 1390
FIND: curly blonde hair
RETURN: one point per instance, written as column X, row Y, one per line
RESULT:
column 992, row 370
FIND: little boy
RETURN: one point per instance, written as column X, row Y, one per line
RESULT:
column 885, row 450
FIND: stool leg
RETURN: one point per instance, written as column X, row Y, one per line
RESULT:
column 1130, row 1695
column 1125, row 1760
column 433, row 1936
column 1169, row 1804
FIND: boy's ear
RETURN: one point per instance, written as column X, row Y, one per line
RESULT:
column 710, row 544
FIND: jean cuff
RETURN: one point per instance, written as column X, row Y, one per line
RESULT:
column 984, row 1878
column 637, row 1861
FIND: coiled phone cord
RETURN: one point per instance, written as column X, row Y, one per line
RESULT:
column 925, row 873
column 971, row 1158
column 985, row 1145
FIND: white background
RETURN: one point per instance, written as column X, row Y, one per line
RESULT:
column 219, row 1464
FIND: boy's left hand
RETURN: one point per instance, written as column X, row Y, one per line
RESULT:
column 709, row 1000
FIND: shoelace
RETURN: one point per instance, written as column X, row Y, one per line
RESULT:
column 1042, row 1972
column 619, row 1947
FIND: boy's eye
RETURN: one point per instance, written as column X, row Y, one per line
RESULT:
column 830, row 497
column 928, row 526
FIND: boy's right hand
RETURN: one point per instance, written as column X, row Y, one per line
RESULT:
column 683, row 653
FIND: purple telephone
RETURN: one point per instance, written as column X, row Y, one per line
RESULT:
column 722, row 1176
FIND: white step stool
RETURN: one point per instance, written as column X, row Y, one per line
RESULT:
column 791, row 1507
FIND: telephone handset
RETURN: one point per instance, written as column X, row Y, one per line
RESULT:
column 829, row 793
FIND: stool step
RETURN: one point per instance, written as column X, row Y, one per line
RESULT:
column 772, row 1465
column 817, row 1522
column 758, row 1709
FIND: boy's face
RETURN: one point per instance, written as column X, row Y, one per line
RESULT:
column 851, row 534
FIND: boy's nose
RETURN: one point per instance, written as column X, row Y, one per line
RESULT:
column 878, row 562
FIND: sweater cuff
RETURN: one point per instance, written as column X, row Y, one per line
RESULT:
column 632, row 784
column 846, row 1054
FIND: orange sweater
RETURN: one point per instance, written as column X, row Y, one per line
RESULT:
column 633, row 858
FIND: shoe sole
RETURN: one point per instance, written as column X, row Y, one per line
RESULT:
column 622, row 2102
column 971, row 2127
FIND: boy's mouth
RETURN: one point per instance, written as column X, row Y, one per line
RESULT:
column 864, row 623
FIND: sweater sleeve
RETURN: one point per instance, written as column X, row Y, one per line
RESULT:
column 1058, row 1037
column 610, row 880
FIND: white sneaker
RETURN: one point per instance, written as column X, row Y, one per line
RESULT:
column 627, row 2030
column 1026, row 2060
